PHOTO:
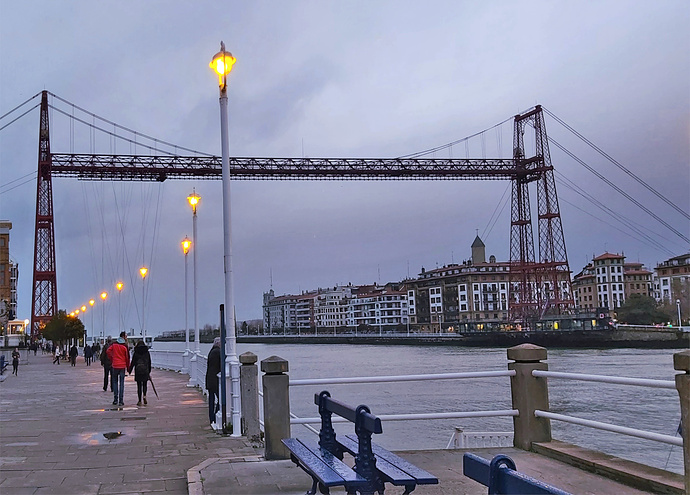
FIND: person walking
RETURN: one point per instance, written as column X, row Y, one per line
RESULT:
column 56, row 357
column 212, row 370
column 73, row 353
column 15, row 361
column 87, row 354
column 118, row 352
column 107, row 366
column 141, row 364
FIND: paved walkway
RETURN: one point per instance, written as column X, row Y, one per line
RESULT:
column 53, row 420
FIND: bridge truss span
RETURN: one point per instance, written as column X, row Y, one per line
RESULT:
column 538, row 285
column 159, row 168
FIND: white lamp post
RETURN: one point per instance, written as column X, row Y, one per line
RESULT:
column 680, row 322
column 186, row 244
column 119, row 287
column 104, row 296
column 194, row 199
column 143, row 271
column 222, row 63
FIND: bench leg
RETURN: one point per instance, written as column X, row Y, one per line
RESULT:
column 409, row 489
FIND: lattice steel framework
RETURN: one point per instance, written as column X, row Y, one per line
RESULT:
column 537, row 286
column 44, row 298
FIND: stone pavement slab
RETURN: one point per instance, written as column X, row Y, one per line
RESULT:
column 52, row 421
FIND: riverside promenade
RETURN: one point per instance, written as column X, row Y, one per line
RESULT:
column 53, row 420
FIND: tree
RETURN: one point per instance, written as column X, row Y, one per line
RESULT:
column 641, row 310
column 63, row 327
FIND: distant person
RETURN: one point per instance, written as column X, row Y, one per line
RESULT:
column 95, row 348
column 212, row 370
column 141, row 363
column 73, row 353
column 118, row 352
column 56, row 355
column 107, row 366
column 15, row 361
column 87, row 354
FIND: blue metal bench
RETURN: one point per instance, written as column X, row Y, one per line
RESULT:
column 374, row 466
column 500, row 476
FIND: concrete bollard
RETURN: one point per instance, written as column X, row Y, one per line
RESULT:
column 249, row 400
column 528, row 394
column 681, row 362
column 276, row 388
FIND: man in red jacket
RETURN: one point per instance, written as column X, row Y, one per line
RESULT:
column 118, row 353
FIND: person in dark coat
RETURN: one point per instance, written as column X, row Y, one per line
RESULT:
column 141, row 364
column 107, row 365
column 87, row 354
column 212, row 370
column 73, row 353
column 15, row 361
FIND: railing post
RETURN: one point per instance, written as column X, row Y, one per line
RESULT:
column 681, row 362
column 249, row 400
column 529, row 393
column 276, row 387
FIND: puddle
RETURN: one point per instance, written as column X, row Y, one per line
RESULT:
column 133, row 418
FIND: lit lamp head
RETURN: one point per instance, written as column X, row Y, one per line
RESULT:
column 104, row 295
column 72, row 314
column 26, row 323
column 83, row 309
column 186, row 245
column 222, row 63
column 193, row 199
column 76, row 312
column 119, row 286
column 92, row 302
column 143, row 271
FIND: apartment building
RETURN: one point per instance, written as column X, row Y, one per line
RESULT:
column 378, row 307
column 9, row 274
column 673, row 279
column 585, row 289
column 473, row 293
column 637, row 280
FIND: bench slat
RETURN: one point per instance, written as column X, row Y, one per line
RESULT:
column 508, row 480
column 410, row 471
column 330, row 470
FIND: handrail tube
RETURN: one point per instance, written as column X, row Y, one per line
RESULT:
column 401, row 378
column 617, row 380
column 419, row 416
column 633, row 432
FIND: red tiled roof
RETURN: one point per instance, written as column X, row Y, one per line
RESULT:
column 608, row 256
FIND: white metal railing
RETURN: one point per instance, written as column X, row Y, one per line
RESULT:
column 401, row 378
column 615, row 380
column 294, row 420
column 479, row 439
column 167, row 360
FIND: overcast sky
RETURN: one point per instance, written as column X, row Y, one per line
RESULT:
column 336, row 79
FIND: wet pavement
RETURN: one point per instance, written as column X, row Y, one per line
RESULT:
column 55, row 421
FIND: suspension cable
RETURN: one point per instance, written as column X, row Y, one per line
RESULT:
column 155, row 140
column 620, row 191
column 620, row 166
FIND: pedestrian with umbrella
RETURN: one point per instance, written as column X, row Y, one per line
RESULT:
column 141, row 364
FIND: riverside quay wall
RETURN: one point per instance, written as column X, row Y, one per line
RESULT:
column 620, row 337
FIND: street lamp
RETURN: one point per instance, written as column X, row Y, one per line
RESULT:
column 680, row 322
column 91, row 303
column 222, row 63
column 119, row 286
column 143, row 271
column 194, row 199
column 186, row 245
column 104, row 296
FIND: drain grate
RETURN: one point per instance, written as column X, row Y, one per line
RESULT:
column 133, row 418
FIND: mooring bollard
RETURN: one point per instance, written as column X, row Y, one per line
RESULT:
column 529, row 393
column 681, row 362
column 249, row 389
column 276, row 388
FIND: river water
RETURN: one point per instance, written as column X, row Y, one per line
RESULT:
column 651, row 409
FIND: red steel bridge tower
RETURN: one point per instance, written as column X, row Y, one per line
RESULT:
column 44, row 297
column 538, row 286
